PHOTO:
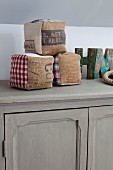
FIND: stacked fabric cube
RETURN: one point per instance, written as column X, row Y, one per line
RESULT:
column 66, row 69
column 45, row 40
column 31, row 71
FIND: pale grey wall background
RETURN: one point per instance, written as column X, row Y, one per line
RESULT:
column 96, row 13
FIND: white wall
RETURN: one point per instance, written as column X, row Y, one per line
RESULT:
column 12, row 41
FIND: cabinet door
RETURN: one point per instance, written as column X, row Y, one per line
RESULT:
column 52, row 140
column 100, row 151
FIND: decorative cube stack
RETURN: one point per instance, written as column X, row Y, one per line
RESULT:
column 46, row 39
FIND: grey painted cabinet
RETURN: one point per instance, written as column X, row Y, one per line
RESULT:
column 100, row 143
column 46, row 140
column 67, row 128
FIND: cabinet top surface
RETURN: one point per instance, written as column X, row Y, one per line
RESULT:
column 88, row 89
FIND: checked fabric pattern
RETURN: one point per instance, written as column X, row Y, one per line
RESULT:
column 19, row 71
column 56, row 71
